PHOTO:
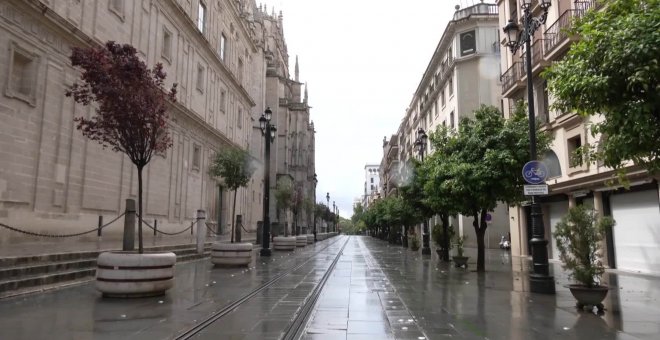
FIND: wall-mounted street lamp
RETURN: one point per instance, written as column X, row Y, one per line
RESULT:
column 540, row 280
column 420, row 144
column 268, row 131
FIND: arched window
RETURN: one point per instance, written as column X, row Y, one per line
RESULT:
column 552, row 162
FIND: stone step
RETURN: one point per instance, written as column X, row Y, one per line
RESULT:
column 45, row 268
column 30, row 276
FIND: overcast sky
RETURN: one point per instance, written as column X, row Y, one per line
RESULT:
column 362, row 60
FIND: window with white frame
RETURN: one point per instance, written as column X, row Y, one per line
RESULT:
column 451, row 120
column 196, row 156
column 166, row 48
column 451, row 84
column 22, row 80
column 240, row 70
column 200, row 77
column 222, row 48
column 201, row 17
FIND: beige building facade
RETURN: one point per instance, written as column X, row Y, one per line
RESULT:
column 461, row 76
column 55, row 181
column 634, row 243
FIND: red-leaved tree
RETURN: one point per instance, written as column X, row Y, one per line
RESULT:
column 131, row 115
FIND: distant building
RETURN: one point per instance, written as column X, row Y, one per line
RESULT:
column 634, row 243
column 371, row 184
column 461, row 75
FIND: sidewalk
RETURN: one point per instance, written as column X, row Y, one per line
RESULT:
column 200, row 291
column 42, row 246
column 452, row 302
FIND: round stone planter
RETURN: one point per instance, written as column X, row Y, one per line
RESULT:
column 460, row 261
column 310, row 238
column 284, row 243
column 231, row 254
column 301, row 241
column 588, row 296
column 129, row 274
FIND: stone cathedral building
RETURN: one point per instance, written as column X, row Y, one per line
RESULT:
column 230, row 61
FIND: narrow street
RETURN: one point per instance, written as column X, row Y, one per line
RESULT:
column 347, row 287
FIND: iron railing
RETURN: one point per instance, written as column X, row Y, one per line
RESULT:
column 512, row 75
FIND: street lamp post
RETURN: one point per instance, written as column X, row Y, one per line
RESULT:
column 420, row 143
column 540, row 280
column 268, row 131
column 315, row 181
column 327, row 198
column 334, row 211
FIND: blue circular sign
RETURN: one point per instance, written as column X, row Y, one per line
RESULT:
column 535, row 172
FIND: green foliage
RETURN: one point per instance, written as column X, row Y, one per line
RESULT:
column 579, row 235
column 460, row 241
column 414, row 243
column 234, row 166
column 614, row 70
column 358, row 213
column 438, row 235
column 471, row 171
column 283, row 193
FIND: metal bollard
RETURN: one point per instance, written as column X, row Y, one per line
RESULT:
column 201, row 231
column 98, row 232
column 129, row 225
column 155, row 226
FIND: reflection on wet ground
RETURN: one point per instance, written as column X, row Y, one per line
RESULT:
column 376, row 291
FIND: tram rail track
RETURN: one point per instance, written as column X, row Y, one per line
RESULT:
column 296, row 326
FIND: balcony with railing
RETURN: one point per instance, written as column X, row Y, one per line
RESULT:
column 538, row 61
column 512, row 78
column 478, row 9
column 558, row 32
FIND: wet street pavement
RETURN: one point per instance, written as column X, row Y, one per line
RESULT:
column 341, row 288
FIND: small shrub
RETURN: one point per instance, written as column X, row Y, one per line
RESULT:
column 414, row 243
column 579, row 235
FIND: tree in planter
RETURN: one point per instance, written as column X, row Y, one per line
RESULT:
column 235, row 167
column 308, row 208
column 284, row 197
column 297, row 201
column 579, row 235
column 131, row 115
column 479, row 166
column 319, row 213
column 614, row 70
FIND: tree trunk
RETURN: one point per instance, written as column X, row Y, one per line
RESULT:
column 446, row 240
column 233, row 216
column 480, row 226
column 295, row 224
column 140, row 244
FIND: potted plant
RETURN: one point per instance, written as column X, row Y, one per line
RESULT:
column 414, row 242
column 459, row 259
column 131, row 118
column 234, row 166
column 579, row 235
column 438, row 235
